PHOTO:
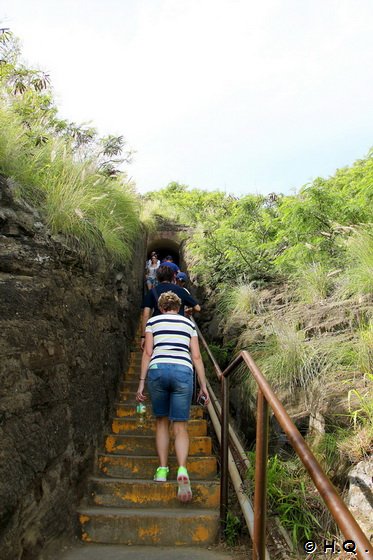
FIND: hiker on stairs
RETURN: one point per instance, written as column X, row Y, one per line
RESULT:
column 165, row 277
column 171, row 349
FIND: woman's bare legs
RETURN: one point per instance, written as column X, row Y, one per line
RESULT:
column 184, row 492
column 181, row 442
column 162, row 439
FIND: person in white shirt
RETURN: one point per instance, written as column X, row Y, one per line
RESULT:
column 152, row 266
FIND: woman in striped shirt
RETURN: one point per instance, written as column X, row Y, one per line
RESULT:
column 171, row 349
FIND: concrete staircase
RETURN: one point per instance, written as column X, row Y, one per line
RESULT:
column 125, row 506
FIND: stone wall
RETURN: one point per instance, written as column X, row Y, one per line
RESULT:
column 66, row 328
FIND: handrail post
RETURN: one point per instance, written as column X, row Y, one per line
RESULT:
column 260, row 506
column 224, row 454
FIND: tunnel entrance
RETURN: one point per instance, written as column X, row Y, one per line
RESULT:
column 163, row 248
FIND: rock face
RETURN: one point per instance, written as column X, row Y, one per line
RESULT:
column 360, row 494
column 66, row 327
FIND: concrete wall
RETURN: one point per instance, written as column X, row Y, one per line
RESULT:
column 66, row 327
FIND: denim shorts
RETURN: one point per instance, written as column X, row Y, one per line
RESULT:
column 152, row 281
column 170, row 388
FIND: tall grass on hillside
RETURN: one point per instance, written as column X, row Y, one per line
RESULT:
column 19, row 157
column 358, row 443
column 312, row 283
column 357, row 279
column 365, row 348
column 98, row 212
column 238, row 303
column 288, row 359
column 150, row 212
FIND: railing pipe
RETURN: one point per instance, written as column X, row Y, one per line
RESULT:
column 243, row 498
column 224, row 454
column 210, row 355
column 232, row 366
column 260, row 497
column 343, row 517
column 224, row 473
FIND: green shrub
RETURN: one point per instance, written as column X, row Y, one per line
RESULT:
column 358, row 277
column 232, row 529
column 291, row 497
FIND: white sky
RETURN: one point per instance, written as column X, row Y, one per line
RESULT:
column 239, row 95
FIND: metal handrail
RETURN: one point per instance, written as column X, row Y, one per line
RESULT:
column 267, row 398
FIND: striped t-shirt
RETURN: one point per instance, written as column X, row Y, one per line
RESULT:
column 171, row 339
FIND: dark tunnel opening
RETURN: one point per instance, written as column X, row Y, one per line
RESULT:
column 164, row 248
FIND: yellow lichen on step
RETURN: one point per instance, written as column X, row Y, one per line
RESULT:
column 152, row 532
column 110, row 444
column 83, row 519
column 102, row 461
column 115, row 426
column 201, row 534
column 120, row 412
column 130, row 495
column 86, row 537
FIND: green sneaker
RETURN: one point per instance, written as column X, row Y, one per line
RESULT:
column 184, row 492
column 161, row 474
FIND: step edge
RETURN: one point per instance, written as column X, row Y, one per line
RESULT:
column 149, row 481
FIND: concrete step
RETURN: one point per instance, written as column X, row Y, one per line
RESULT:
column 135, row 360
column 133, row 370
column 128, row 409
column 133, row 426
column 93, row 551
column 145, row 445
column 166, row 527
column 128, row 386
column 110, row 492
column 139, row 467
column 127, row 397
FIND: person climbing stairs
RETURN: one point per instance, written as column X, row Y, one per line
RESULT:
column 124, row 505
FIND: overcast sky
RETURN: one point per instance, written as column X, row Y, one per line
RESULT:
column 237, row 95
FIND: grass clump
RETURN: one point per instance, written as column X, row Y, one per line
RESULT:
column 313, row 283
column 286, row 358
column 96, row 212
column 365, row 348
column 361, row 414
column 291, row 497
column 239, row 302
column 232, row 529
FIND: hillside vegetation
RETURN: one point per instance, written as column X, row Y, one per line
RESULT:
column 291, row 278
column 63, row 169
